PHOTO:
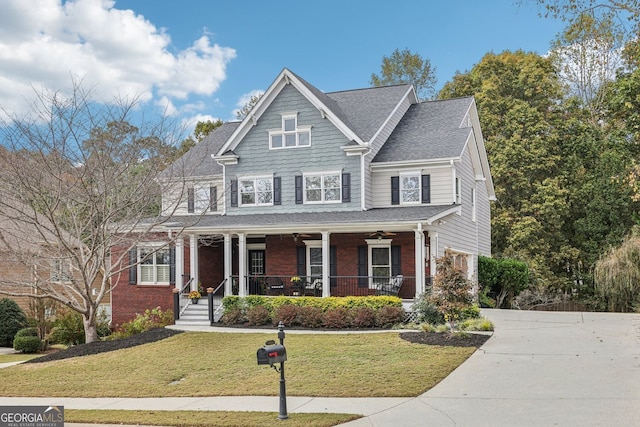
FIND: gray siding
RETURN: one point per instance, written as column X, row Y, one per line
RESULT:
column 324, row 154
column 376, row 145
column 441, row 184
column 175, row 197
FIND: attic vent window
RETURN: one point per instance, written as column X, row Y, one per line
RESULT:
column 466, row 122
column 290, row 135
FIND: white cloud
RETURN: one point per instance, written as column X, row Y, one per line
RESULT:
column 43, row 43
column 189, row 124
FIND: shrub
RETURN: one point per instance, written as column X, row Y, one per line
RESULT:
column 12, row 319
column 427, row 311
column 310, row 317
column 476, row 325
column 68, row 328
column 472, row 312
column 363, row 317
column 27, row 344
column 27, row 332
column 451, row 289
column 258, row 316
column 287, row 314
column 234, row 316
column 151, row 319
column 337, row 318
column 388, row 316
column 231, row 302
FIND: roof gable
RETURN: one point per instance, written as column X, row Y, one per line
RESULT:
column 358, row 114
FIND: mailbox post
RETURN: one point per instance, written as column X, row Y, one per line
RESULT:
column 270, row 354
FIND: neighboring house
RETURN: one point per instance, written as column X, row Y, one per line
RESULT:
column 355, row 193
column 31, row 264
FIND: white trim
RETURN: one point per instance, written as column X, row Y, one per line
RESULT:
column 322, row 189
column 255, row 190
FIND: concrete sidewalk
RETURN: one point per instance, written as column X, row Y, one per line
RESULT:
column 539, row 369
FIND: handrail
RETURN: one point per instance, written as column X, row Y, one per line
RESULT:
column 186, row 284
column 219, row 286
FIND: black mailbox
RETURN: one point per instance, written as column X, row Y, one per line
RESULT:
column 270, row 354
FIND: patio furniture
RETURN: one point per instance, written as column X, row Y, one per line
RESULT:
column 275, row 286
column 393, row 287
column 313, row 288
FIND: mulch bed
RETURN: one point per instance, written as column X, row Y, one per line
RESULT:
column 104, row 346
column 445, row 338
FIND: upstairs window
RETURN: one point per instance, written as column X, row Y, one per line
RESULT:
column 322, row 188
column 290, row 134
column 202, row 197
column 410, row 189
column 60, row 270
column 256, row 191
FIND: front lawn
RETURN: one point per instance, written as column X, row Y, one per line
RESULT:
column 221, row 364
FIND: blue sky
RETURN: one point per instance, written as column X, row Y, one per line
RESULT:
column 197, row 59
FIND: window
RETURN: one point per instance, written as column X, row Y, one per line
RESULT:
column 290, row 135
column 458, row 190
column 410, row 189
column 154, row 265
column 314, row 267
column 322, row 188
column 200, row 198
column 256, row 191
column 60, row 270
column 473, row 204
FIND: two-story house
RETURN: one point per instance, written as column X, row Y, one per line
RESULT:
column 353, row 193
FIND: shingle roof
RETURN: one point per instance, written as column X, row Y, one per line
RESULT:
column 367, row 109
column 429, row 130
column 392, row 215
column 197, row 161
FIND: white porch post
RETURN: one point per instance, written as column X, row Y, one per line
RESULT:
column 179, row 262
column 242, row 264
column 419, row 259
column 227, row 264
column 326, row 263
column 193, row 258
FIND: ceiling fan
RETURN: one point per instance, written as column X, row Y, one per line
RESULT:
column 380, row 234
column 297, row 235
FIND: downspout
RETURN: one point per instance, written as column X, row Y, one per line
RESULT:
column 362, row 180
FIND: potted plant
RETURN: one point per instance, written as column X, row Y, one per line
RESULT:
column 295, row 281
column 194, row 296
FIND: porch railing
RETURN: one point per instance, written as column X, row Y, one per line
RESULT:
column 402, row 286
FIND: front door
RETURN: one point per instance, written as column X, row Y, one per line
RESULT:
column 256, row 270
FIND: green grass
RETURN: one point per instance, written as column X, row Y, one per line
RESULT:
column 220, row 364
column 204, row 418
column 17, row 357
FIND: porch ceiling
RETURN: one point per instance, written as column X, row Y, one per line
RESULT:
column 397, row 218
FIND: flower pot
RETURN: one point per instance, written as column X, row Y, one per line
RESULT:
column 195, row 300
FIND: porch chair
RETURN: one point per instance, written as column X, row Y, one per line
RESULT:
column 393, row 287
column 314, row 288
column 275, row 286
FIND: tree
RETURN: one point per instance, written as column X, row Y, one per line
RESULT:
column 451, row 289
column 617, row 275
column 12, row 319
column 570, row 10
column 203, row 129
column 246, row 108
column 588, row 55
column 405, row 67
column 78, row 178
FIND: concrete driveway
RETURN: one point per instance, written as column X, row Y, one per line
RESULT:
column 539, row 369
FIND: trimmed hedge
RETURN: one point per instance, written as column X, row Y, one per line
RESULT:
column 27, row 344
column 312, row 312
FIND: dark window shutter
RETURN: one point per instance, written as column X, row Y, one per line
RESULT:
column 191, row 198
column 133, row 266
column 172, row 265
column 333, row 265
column 277, row 183
column 363, row 280
column 426, row 188
column 234, row 192
column 395, row 260
column 213, row 199
column 299, row 196
column 395, row 190
column 346, row 187
column 301, row 252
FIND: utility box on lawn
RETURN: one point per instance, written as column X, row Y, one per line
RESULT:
column 270, row 354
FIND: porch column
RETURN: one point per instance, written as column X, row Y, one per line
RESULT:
column 179, row 262
column 419, row 259
column 242, row 264
column 326, row 264
column 228, row 269
column 193, row 258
